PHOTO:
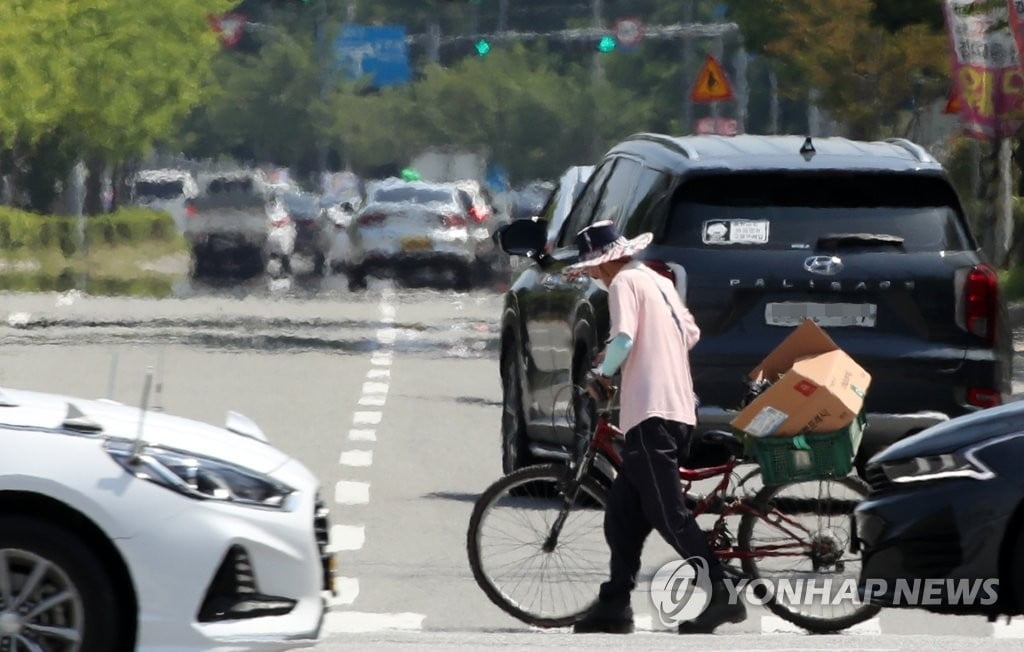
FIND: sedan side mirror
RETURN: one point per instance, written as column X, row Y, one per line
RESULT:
column 523, row 237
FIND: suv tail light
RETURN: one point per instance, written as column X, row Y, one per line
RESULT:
column 282, row 221
column 371, row 219
column 981, row 302
column 190, row 209
column 983, row 397
column 453, row 221
column 662, row 269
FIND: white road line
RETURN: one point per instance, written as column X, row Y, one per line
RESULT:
column 378, row 373
column 375, row 388
column 347, row 537
column 373, row 401
column 1012, row 629
column 353, row 622
column 381, row 358
column 356, row 458
column 387, row 335
column 362, row 435
column 352, row 493
column 366, row 418
column 347, row 589
column 387, row 310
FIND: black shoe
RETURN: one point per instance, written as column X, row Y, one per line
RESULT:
column 718, row 612
column 605, row 618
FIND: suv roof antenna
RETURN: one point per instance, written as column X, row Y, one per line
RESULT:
column 139, row 442
column 807, row 149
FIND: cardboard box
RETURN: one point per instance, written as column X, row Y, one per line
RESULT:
column 816, row 387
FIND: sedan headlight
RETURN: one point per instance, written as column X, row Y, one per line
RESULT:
column 201, row 478
column 959, row 464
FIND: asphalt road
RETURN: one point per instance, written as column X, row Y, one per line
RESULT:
column 392, row 398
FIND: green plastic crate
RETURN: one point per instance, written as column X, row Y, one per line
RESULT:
column 811, row 456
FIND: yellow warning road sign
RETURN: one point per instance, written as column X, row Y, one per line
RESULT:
column 712, row 84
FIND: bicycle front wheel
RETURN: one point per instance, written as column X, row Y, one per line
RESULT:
column 541, row 579
column 798, row 538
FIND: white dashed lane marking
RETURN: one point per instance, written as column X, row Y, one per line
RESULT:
column 373, row 401
column 352, row 493
column 356, row 458
column 347, row 537
column 347, row 589
column 353, row 622
column 362, row 434
column 378, row 373
column 375, row 388
column 366, row 418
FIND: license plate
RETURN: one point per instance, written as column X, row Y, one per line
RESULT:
column 416, row 244
column 833, row 315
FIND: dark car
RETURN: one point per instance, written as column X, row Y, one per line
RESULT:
column 760, row 232
column 312, row 233
column 946, row 504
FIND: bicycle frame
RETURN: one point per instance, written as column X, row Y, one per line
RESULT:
column 603, row 442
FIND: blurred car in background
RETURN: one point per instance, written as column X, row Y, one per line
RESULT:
column 410, row 229
column 165, row 190
column 281, row 235
column 226, row 225
column 312, row 230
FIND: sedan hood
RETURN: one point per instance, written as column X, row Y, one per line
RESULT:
column 116, row 421
column 957, row 433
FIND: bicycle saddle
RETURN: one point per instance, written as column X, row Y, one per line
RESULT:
column 725, row 439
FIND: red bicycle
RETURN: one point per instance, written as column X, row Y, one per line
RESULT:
column 536, row 544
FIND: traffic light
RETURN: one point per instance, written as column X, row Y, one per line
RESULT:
column 606, row 44
column 483, row 46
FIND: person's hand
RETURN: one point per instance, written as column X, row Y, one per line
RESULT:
column 599, row 387
column 600, row 358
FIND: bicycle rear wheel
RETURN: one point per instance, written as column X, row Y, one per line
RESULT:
column 800, row 539
column 509, row 529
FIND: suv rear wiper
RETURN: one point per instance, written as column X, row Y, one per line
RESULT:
column 841, row 240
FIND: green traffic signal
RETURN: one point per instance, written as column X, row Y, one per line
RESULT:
column 606, row 44
column 483, row 47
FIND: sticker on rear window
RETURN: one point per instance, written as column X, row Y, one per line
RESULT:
column 728, row 232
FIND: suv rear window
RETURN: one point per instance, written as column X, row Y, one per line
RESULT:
column 159, row 189
column 796, row 211
column 413, row 195
column 218, row 186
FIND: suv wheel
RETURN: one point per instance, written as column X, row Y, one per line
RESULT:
column 515, row 446
column 62, row 598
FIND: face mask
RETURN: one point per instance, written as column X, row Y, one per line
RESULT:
column 599, row 283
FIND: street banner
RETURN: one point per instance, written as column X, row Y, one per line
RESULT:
column 987, row 75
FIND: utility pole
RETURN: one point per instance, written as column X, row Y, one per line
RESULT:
column 773, row 108
column 502, row 15
column 1004, row 204
column 687, row 56
column 740, row 60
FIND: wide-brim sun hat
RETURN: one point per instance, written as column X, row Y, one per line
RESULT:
column 602, row 243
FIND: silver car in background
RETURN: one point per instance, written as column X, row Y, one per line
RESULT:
column 410, row 230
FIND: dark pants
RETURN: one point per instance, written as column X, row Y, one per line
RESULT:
column 647, row 495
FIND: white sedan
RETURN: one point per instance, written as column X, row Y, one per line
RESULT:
column 126, row 529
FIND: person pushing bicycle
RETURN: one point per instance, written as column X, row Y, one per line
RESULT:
column 652, row 333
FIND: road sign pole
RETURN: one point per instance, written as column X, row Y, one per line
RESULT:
column 717, row 49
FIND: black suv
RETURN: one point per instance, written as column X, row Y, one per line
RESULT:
column 758, row 233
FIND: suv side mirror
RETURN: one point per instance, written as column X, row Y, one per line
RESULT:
column 523, row 237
